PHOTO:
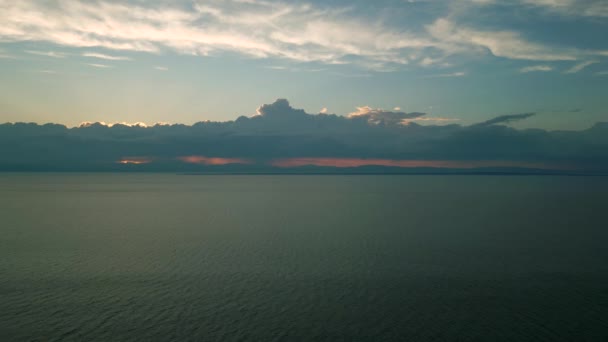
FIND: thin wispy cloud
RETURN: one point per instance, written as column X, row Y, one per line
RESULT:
column 101, row 66
column 276, row 67
column 51, row 54
column 586, row 8
column 579, row 67
column 260, row 29
column 568, row 8
column 161, row 68
column 536, row 68
column 45, row 71
column 451, row 74
column 434, row 62
column 283, row 30
column 351, row 75
column 106, row 57
column 602, row 73
column 455, row 38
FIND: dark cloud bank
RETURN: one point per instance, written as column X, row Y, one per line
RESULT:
column 284, row 139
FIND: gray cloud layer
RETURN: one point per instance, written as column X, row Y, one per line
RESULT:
column 506, row 119
column 279, row 131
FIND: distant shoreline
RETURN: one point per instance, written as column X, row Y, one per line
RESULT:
column 319, row 173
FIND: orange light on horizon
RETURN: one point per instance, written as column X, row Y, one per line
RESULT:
column 134, row 160
column 358, row 162
column 202, row 160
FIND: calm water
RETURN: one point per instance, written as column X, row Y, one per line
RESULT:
column 132, row 257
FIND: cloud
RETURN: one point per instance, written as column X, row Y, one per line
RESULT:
column 507, row 44
column 161, row 68
column 4, row 55
column 451, row 74
column 484, row 2
column 580, row 66
column 585, row 8
column 602, row 73
column 102, row 66
column 298, row 32
column 506, row 119
column 434, row 119
column 428, row 61
column 376, row 116
column 536, row 68
column 122, row 123
column 104, row 56
column 568, row 8
column 276, row 67
column 46, row 71
column 323, row 110
column 52, row 54
column 279, row 108
column 280, row 135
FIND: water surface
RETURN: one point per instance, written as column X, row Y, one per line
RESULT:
column 160, row 257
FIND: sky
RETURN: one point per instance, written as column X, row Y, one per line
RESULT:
column 459, row 62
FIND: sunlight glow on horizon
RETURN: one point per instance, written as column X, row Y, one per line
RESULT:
column 135, row 160
column 202, row 160
column 353, row 162
column 358, row 162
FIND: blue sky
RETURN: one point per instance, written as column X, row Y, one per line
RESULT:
column 188, row 61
